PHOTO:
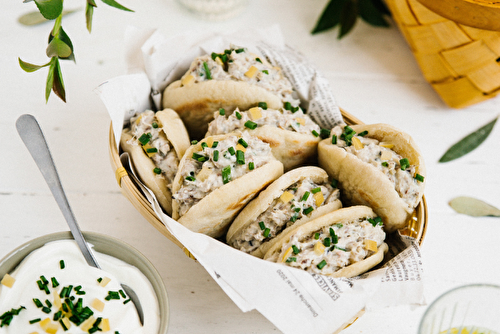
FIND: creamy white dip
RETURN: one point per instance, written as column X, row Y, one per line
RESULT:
column 217, row 167
column 284, row 119
column 45, row 261
column 309, row 252
column 165, row 158
column 380, row 155
column 281, row 215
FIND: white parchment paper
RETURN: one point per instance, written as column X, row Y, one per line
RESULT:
column 293, row 300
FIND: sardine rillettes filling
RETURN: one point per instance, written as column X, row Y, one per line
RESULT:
column 281, row 215
column 314, row 254
column 236, row 65
column 373, row 153
column 285, row 119
column 165, row 158
column 200, row 178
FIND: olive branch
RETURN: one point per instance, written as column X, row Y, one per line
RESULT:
column 59, row 45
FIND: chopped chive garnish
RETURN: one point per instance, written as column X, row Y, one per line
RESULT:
column 99, row 280
column 321, row 265
column 214, row 55
column 419, row 178
column 324, row 133
column 37, row 302
column 231, row 150
column 157, row 170
column 334, row 183
column 315, row 133
column 239, row 50
column 63, row 325
column 287, row 106
column 194, row 142
column 305, row 196
column 126, row 301
column 251, row 165
column 207, row 70
column 316, row 235
column 339, row 225
column 385, row 164
column 308, row 210
column 48, row 303
column 34, row 321
column 240, row 157
column 145, row 138
column 222, row 111
column 226, row 174
column 363, row 133
column 262, row 105
column 291, row 259
column 61, row 264
column 55, row 283
column 238, row 115
column 296, row 209
column 265, row 71
column 152, row 150
column 204, row 145
column 375, row 221
column 214, row 144
column 46, row 310
column 57, row 315
column 340, row 248
column 293, row 219
column 68, row 292
column 199, row 157
column 216, row 155
column 155, row 125
column 347, row 135
column 334, row 139
column 44, row 280
column 315, row 190
column 258, row 60
column 327, row 242
column 112, row 295
column 262, row 226
column 266, row 232
column 190, row 178
column 243, row 142
column 404, row 163
column 335, row 238
column 80, row 293
column 251, row 125
column 122, row 293
column 296, row 250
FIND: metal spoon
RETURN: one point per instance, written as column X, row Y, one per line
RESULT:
column 33, row 138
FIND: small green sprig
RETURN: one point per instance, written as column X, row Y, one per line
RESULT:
column 344, row 13
column 59, row 45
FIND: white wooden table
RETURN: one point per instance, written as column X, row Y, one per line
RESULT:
column 373, row 75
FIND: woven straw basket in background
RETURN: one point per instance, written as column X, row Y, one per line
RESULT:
column 461, row 62
column 416, row 226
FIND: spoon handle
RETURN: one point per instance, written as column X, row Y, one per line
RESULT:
column 33, row 138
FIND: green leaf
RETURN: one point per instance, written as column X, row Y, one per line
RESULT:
column 348, row 18
column 330, row 16
column 50, row 78
column 27, row 67
column 371, row 14
column 65, row 38
column 89, row 13
column 34, row 18
column 58, row 85
column 381, row 6
column 468, row 143
column 473, row 207
column 50, row 9
column 57, row 48
column 92, row 3
column 115, row 4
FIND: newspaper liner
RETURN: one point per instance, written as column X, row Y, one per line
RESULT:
column 293, row 300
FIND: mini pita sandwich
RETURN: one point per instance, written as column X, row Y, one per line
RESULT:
column 234, row 78
column 293, row 136
column 376, row 165
column 156, row 143
column 296, row 197
column 217, row 177
column 343, row 243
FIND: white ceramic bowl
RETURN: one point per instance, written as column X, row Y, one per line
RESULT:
column 105, row 245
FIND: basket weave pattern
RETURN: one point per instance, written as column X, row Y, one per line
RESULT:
column 460, row 62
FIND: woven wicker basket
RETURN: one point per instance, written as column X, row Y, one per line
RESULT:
column 461, row 63
column 416, row 226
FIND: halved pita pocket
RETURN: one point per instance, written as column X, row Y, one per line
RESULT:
column 376, row 165
column 343, row 243
column 293, row 136
column 235, row 78
column 217, row 177
column 156, row 143
column 293, row 199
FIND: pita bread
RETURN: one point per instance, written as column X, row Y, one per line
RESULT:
column 176, row 133
column 260, row 204
column 212, row 214
column 363, row 184
column 342, row 216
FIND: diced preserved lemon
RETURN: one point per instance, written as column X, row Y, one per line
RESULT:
column 219, row 61
column 301, row 121
column 241, row 148
column 146, row 148
column 87, row 324
column 358, row 145
column 138, row 120
column 8, row 281
column 251, row 72
column 319, row 198
column 210, row 140
column 97, row 304
column 57, row 300
column 319, row 248
column 386, row 155
column 287, row 254
column 185, row 81
column 276, row 68
column 255, row 113
column 66, row 322
column 371, row 245
column 286, row 197
column 104, row 281
column 105, row 322
column 204, row 173
column 34, row 333
column 45, row 323
column 386, row 145
column 52, row 328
